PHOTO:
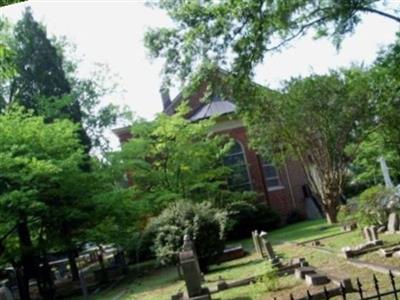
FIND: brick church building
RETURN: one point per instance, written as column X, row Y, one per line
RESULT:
column 285, row 189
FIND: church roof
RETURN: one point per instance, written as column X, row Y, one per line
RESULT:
column 212, row 109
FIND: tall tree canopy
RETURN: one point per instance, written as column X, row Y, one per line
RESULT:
column 46, row 81
column 244, row 31
column 172, row 158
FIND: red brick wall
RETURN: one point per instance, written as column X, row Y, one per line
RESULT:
column 279, row 200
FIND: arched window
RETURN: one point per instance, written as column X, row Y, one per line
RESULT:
column 239, row 179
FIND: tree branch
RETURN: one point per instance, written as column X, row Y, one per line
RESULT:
column 381, row 13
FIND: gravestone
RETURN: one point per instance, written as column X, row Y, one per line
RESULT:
column 316, row 279
column 192, row 274
column 367, row 234
column 268, row 251
column 393, row 223
column 301, row 272
column 256, row 242
column 5, row 294
column 371, row 233
column 374, row 233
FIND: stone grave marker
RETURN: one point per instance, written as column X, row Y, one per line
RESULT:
column 5, row 294
column 393, row 223
column 192, row 274
column 367, row 234
column 256, row 242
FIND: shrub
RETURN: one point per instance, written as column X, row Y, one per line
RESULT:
column 372, row 206
column 348, row 213
column 202, row 222
column 245, row 217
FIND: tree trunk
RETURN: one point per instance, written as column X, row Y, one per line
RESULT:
column 46, row 283
column 28, row 259
column 73, row 265
column 22, row 283
column 330, row 213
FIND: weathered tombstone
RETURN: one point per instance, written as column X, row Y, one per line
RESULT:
column 393, row 223
column 268, row 251
column 367, row 234
column 5, row 294
column 83, row 286
column 256, row 242
column 192, row 275
column 373, row 233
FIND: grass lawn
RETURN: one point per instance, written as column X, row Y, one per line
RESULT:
column 161, row 283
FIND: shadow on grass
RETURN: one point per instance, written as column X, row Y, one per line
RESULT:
column 224, row 268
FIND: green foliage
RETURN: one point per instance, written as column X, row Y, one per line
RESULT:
column 269, row 282
column 348, row 212
column 314, row 120
column 46, row 81
column 172, row 158
column 386, row 79
column 371, row 206
column 366, row 167
column 201, row 221
column 9, row 2
column 35, row 157
column 247, row 30
column 244, row 217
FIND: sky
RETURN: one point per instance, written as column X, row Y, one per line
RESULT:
column 111, row 32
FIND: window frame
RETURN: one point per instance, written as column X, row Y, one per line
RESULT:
column 245, row 164
column 279, row 186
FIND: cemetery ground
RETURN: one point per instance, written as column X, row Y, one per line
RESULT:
column 147, row 282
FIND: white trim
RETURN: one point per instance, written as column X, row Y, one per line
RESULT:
column 275, row 188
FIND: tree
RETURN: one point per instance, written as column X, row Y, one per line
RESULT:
column 35, row 157
column 172, row 158
column 242, row 32
column 47, row 81
column 366, row 168
column 386, row 79
column 236, row 35
column 47, row 202
column 319, row 120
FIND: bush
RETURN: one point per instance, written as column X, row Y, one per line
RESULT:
column 245, row 217
column 202, row 222
column 348, row 213
column 372, row 206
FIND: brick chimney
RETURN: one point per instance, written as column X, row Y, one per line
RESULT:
column 166, row 99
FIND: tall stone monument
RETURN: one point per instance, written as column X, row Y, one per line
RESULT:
column 191, row 273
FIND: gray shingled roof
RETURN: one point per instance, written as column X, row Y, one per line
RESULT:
column 214, row 108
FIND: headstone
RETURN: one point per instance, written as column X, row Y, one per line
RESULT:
column 349, row 227
column 316, row 243
column 192, row 275
column 266, row 246
column 381, row 229
column 374, row 233
column 316, row 279
column 367, row 234
column 5, row 294
column 256, row 242
column 83, row 286
column 393, row 223
column 301, row 273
